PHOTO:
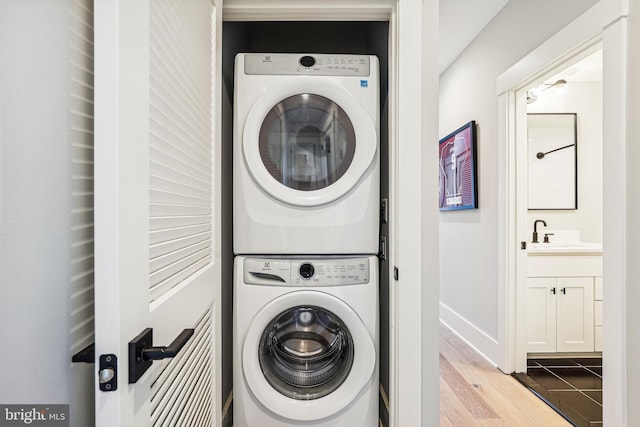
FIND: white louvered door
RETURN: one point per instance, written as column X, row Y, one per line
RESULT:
column 157, row 206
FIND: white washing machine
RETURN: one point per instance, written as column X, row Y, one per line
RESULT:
column 305, row 342
column 306, row 176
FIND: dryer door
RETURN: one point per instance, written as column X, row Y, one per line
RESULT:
column 308, row 143
column 307, row 355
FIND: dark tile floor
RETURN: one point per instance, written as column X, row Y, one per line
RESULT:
column 573, row 387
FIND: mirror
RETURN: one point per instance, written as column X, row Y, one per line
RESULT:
column 553, row 161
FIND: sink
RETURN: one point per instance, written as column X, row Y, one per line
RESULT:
column 565, row 248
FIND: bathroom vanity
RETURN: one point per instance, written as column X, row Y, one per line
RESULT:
column 564, row 298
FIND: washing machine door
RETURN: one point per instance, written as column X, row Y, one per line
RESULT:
column 307, row 355
column 308, row 142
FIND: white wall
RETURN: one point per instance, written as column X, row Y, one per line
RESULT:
column 468, row 239
column 46, row 204
column 584, row 99
column 632, row 230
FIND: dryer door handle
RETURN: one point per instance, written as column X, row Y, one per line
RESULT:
column 267, row 276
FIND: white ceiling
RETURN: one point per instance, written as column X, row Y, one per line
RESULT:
column 588, row 69
column 462, row 20
column 460, row 23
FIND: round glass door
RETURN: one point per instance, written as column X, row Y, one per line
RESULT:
column 307, row 142
column 306, row 352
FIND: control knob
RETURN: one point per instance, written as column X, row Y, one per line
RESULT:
column 306, row 270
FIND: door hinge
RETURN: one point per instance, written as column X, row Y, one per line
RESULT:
column 384, row 211
column 383, row 248
column 108, row 372
column 396, row 273
column 523, row 246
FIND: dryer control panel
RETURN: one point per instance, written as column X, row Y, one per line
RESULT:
column 307, row 64
column 313, row 272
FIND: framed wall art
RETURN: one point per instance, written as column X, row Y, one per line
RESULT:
column 458, row 169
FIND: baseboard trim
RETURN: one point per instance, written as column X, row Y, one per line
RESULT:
column 485, row 345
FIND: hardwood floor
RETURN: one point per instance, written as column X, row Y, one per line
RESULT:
column 474, row 393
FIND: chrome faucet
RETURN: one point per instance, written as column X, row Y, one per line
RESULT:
column 535, row 229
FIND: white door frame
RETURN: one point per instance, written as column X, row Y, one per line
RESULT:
column 413, row 120
column 605, row 21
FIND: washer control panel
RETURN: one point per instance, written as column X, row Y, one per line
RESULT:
column 315, row 272
column 309, row 64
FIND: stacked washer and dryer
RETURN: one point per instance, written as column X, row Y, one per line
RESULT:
column 306, row 229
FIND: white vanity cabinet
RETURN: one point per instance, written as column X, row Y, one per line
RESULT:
column 564, row 303
column 560, row 314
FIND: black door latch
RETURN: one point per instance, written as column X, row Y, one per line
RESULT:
column 142, row 353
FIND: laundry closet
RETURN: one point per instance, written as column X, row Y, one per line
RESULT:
column 402, row 36
column 307, row 223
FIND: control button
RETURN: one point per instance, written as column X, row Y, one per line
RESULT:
column 307, row 61
column 306, row 271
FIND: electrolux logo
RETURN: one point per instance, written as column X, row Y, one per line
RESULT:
column 35, row 415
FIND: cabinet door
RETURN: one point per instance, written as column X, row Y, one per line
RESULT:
column 541, row 314
column 575, row 314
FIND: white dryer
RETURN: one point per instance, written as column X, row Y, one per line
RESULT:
column 305, row 342
column 306, row 154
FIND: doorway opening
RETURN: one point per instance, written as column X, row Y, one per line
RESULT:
column 559, row 217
